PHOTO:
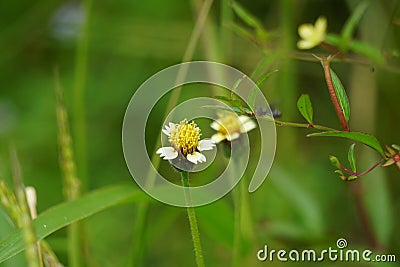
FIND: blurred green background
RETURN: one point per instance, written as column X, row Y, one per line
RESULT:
column 302, row 204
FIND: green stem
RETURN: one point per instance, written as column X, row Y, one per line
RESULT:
column 192, row 221
column 140, row 221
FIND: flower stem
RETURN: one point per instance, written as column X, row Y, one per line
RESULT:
column 192, row 221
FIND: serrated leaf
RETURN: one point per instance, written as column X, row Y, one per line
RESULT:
column 364, row 138
column 66, row 213
column 351, row 24
column 341, row 95
column 305, row 107
column 351, row 158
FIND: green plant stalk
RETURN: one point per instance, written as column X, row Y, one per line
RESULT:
column 332, row 93
column 71, row 184
column 192, row 221
column 140, row 221
column 32, row 250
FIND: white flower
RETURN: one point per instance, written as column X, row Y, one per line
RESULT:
column 229, row 126
column 312, row 35
column 185, row 139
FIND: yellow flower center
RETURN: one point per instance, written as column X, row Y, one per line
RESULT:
column 185, row 137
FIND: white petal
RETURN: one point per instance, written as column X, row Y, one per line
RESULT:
column 196, row 157
column 305, row 44
column 244, row 119
column 215, row 125
column 232, row 136
column 167, row 152
column 218, row 137
column 248, row 126
column 166, row 131
column 206, row 144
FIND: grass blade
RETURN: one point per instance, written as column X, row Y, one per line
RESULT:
column 67, row 213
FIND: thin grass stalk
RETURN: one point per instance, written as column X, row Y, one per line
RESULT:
column 71, row 183
column 32, row 251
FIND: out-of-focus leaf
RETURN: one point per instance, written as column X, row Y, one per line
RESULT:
column 223, row 98
column 397, row 147
column 367, row 51
column 364, row 138
column 305, row 107
column 251, row 100
column 358, row 47
column 246, row 16
column 66, row 213
column 341, row 95
column 243, row 32
column 351, row 158
column 216, row 220
column 234, row 109
column 351, row 24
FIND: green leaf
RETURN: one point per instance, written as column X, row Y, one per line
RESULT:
column 223, row 98
column 234, row 109
column 341, row 95
column 351, row 158
column 350, row 25
column 305, row 107
column 246, row 16
column 66, row 213
column 358, row 47
column 367, row 50
column 364, row 138
column 396, row 147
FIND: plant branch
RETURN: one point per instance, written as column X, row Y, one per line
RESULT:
column 364, row 172
column 332, row 93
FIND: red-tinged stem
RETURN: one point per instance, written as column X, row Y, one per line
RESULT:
column 364, row 172
column 334, row 99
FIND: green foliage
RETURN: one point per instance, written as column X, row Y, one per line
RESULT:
column 351, row 158
column 364, row 138
column 305, row 107
column 341, row 95
column 351, row 24
column 67, row 213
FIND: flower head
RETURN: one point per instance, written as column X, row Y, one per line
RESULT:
column 229, row 126
column 312, row 35
column 185, row 141
column 392, row 155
